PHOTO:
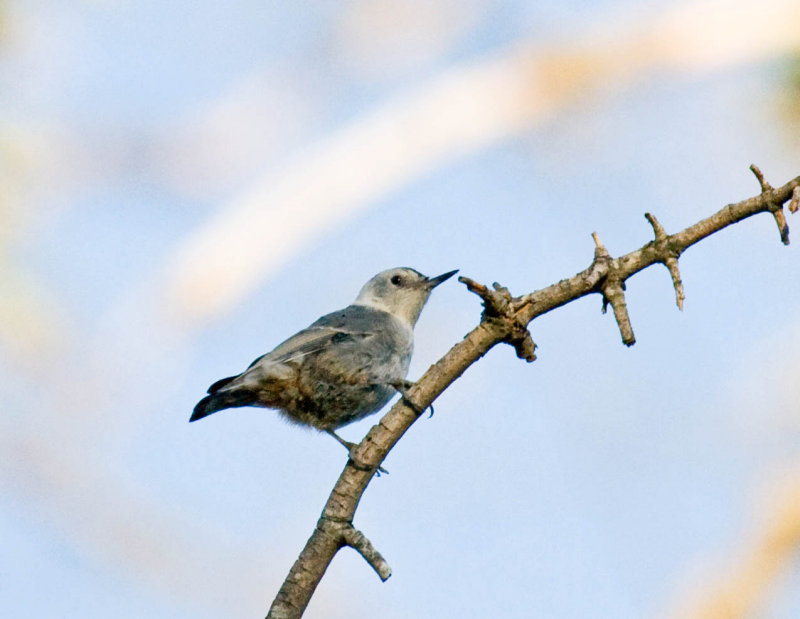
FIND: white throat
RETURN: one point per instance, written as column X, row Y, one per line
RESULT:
column 379, row 304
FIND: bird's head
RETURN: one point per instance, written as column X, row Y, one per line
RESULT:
column 402, row 292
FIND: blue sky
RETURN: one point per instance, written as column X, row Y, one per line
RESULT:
column 190, row 183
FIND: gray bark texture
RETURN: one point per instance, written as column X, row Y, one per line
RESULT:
column 505, row 319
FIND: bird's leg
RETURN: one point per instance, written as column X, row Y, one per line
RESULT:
column 351, row 447
column 402, row 386
column 347, row 444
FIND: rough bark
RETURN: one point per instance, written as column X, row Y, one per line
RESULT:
column 505, row 319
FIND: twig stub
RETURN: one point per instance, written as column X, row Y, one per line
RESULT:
column 358, row 541
column 669, row 257
column 501, row 308
column 794, row 204
column 775, row 207
column 612, row 287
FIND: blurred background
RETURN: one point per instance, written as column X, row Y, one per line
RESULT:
column 185, row 184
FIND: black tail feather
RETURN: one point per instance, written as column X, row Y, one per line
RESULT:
column 221, row 400
column 221, row 383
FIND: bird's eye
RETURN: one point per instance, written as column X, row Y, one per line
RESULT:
column 396, row 280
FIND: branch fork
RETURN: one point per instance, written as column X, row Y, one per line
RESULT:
column 503, row 310
column 669, row 259
column 612, row 287
column 776, row 207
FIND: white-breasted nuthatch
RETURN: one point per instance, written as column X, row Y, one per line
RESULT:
column 343, row 367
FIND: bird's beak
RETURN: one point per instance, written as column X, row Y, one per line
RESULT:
column 432, row 282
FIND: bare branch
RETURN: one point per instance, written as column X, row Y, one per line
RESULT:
column 504, row 319
column 358, row 541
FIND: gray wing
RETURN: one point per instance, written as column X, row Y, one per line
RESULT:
column 355, row 341
column 307, row 342
column 350, row 324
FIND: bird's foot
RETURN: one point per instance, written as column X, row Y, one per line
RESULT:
column 402, row 387
column 351, row 449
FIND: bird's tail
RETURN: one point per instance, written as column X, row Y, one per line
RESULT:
column 220, row 400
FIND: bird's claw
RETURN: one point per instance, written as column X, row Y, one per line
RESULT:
column 402, row 387
column 351, row 449
column 364, row 467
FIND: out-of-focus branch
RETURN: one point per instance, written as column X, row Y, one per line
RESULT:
column 505, row 319
column 464, row 110
column 738, row 590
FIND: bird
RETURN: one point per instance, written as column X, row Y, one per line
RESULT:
column 345, row 366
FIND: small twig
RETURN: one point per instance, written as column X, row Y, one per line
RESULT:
column 658, row 229
column 675, row 274
column 765, row 186
column 670, row 258
column 601, row 255
column 794, row 204
column 358, row 541
column 474, row 287
column 523, row 343
column 783, row 227
column 614, row 291
column 496, row 300
column 612, row 287
column 775, row 208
